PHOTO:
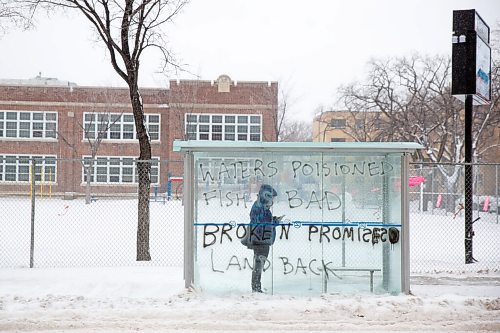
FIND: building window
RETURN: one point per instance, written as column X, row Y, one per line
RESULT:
column 153, row 126
column 242, row 133
column 117, row 126
column 28, row 124
column 204, row 132
column 229, row 132
column 17, row 168
column 116, row 170
column 191, row 118
column 338, row 123
column 254, row 133
column 379, row 124
column 360, row 123
column 217, row 127
column 216, row 132
column 191, row 131
column 337, row 140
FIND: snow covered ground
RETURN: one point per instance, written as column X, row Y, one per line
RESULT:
column 152, row 299
column 65, row 292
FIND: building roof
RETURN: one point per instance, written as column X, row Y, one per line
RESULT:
column 38, row 80
column 351, row 147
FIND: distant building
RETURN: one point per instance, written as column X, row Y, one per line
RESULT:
column 54, row 120
column 347, row 126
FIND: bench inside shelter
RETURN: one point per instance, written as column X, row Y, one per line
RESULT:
column 352, row 269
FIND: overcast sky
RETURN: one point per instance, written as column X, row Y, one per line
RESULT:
column 310, row 47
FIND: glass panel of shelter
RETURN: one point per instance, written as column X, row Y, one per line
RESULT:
column 336, row 209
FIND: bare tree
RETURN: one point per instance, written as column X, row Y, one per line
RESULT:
column 94, row 131
column 281, row 101
column 13, row 14
column 295, row 131
column 283, row 107
column 188, row 95
column 286, row 128
column 127, row 29
column 359, row 126
column 322, row 122
column 412, row 95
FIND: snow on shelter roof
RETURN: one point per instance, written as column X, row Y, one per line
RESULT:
column 354, row 147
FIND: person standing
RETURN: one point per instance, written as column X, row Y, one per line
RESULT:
column 262, row 232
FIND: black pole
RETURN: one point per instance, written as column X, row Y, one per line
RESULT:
column 468, row 188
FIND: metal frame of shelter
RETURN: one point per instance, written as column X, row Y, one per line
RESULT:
column 188, row 148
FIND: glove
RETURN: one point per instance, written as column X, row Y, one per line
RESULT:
column 277, row 219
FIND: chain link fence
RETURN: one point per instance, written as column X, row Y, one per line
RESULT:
column 52, row 217
column 437, row 217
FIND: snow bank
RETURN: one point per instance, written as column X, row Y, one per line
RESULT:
column 152, row 299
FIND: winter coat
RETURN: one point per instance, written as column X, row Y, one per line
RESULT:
column 262, row 228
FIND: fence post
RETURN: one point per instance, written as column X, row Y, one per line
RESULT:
column 433, row 198
column 188, row 198
column 169, row 186
column 497, row 212
column 33, row 189
column 343, row 221
column 422, row 198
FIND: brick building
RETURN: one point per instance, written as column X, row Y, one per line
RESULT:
column 59, row 122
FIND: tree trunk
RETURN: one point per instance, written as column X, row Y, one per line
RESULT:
column 450, row 179
column 144, row 170
column 451, row 197
column 144, row 173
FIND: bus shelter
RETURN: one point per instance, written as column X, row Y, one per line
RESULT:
column 339, row 216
